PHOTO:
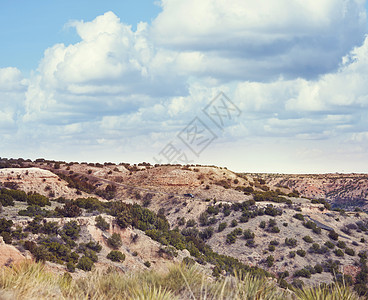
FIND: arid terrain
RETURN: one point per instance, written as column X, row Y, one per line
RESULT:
column 281, row 224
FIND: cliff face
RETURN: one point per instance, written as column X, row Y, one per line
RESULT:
column 340, row 189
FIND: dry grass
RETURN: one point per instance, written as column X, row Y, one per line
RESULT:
column 31, row 281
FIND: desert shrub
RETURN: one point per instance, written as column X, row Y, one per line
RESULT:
column 285, row 224
column 248, row 234
column 297, row 283
column 181, row 221
column 301, row 252
column 95, row 246
column 5, row 225
column 90, row 204
column 271, row 248
column 221, row 226
column 262, row 224
column 147, row 199
column 7, row 237
column 271, row 223
column 350, row 251
column 116, row 256
column 206, row 233
column 213, row 209
column 37, row 199
column 291, row 242
column 339, row 252
column 70, row 267
column 331, row 266
column 330, row 245
column 341, row 244
column 302, row 273
column 317, row 230
column 274, row 242
column 50, row 228
column 299, row 216
column 6, row 200
column 231, row 237
column 243, row 219
column 308, row 239
column 69, row 210
column 115, row 241
column 269, row 261
column 101, row 223
column 191, row 223
column 18, row 233
column 35, row 225
column 85, row 263
column 147, row 264
column 250, row 243
column 203, row 219
column 15, row 194
column 316, row 248
column 275, row 229
column 272, row 211
column 35, row 210
column 333, row 235
column 318, row 268
column 292, row 254
column 71, row 229
column 234, row 223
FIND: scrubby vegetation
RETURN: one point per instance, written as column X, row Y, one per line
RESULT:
column 31, row 279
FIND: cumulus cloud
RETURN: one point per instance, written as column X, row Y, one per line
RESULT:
column 263, row 39
column 296, row 70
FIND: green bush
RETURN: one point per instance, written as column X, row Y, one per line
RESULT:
column 350, row 251
column 308, row 239
column 70, row 267
column 303, row 273
column 301, row 252
column 341, row 244
column 69, row 210
column 234, row 223
column 291, row 242
column 221, row 226
column 37, row 199
column 191, row 223
column 206, row 233
column 6, row 237
column 101, row 223
column 318, row 268
column 71, row 229
column 270, row 260
column 271, row 248
column 339, row 252
column 275, row 229
column 115, row 255
column 333, row 235
column 248, row 234
column 147, row 264
column 299, row 217
column 115, row 241
column 292, row 254
column 262, row 224
column 85, row 263
column 6, row 200
column 330, row 245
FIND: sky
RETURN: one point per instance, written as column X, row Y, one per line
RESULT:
column 263, row 86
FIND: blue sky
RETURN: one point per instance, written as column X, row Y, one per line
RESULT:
column 118, row 80
column 29, row 27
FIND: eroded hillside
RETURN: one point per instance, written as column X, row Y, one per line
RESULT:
column 221, row 220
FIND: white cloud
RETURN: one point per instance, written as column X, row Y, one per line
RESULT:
column 120, row 90
column 262, row 39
